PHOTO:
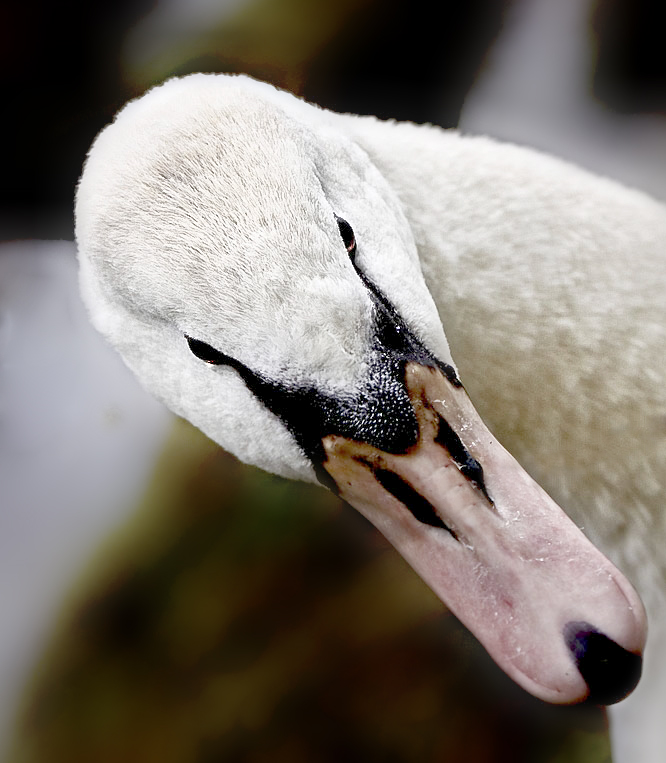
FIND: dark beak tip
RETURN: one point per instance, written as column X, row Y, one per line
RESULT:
column 610, row 671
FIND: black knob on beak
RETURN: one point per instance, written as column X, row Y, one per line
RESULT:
column 610, row 671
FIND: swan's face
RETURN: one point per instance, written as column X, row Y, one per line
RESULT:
column 258, row 274
column 196, row 229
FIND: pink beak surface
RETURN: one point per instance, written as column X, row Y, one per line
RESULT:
column 551, row 610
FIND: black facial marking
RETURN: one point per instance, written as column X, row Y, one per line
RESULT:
column 379, row 412
column 206, row 353
column 380, row 415
column 393, row 333
column 469, row 466
column 347, row 234
column 420, row 508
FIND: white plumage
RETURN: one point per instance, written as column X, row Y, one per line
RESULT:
column 205, row 211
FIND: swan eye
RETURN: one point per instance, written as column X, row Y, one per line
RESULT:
column 205, row 352
column 347, row 234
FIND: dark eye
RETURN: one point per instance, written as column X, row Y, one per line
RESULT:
column 347, row 234
column 205, row 352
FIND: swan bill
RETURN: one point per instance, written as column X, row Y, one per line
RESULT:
column 498, row 551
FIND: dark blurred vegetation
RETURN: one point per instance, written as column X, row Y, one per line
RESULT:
column 60, row 82
column 244, row 619
column 63, row 79
column 240, row 618
column 630, row 73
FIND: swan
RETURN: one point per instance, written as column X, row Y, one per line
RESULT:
column 283, row 276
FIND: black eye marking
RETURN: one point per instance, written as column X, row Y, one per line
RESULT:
column 206, row 353
column 347, row 234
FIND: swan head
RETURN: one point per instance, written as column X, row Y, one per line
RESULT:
column 258, row 273
column 196, row 229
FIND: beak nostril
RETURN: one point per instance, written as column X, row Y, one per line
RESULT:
column 610, row 671
column 420, row 508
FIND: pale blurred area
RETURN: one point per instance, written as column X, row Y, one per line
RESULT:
column 78, row 442
column 536, row 87
column 159, row 601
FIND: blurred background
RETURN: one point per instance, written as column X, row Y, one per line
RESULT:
column 158, row 600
